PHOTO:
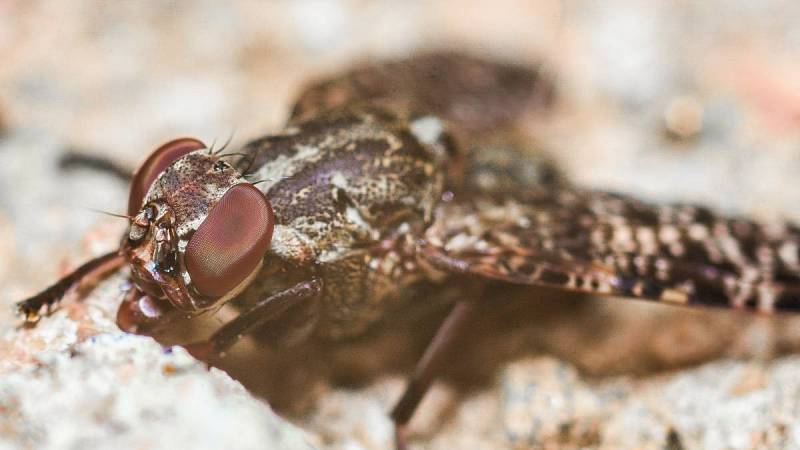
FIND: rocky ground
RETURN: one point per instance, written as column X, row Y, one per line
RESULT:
column 694, row 101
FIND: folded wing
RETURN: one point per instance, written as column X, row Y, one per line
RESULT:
column 603, row 243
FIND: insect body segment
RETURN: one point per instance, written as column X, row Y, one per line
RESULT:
column 201, row 232
column 344, row 186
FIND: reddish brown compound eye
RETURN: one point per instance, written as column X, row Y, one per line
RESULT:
column 231, row 241
column 154, row 164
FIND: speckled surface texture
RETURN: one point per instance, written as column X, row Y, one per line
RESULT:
column 690, row 101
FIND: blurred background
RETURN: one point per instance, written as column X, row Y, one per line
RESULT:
column 692, row 101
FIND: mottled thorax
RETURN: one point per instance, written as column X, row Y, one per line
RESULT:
column 348, row 190
column 347, row 178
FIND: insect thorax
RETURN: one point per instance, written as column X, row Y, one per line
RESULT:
column 350, row 190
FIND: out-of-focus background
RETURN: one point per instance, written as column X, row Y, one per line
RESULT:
column 692, row 101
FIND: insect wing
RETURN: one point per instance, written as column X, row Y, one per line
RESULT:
column 603, row 243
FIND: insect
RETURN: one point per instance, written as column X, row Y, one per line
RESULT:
column 378, row 183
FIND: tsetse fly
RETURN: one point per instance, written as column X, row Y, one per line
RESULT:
column 384, row 178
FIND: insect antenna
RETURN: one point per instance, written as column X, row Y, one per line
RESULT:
column 259, row 181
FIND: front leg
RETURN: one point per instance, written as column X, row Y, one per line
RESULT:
column 31, row 308
column 262, row 313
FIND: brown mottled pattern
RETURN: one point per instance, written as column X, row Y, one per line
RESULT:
column 339, row 185
column 357, row 181
column 401, row 172
column 612, row 244
column 505, row 162
column 191, row 186
column 357, row 175
column 471, row 94
column 365, row 161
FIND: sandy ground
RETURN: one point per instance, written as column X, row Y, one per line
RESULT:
column 697, row 102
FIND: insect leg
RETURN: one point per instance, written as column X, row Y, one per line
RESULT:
column 429, row 365
column 31, row 307
column 76, row 160
column 259, row 315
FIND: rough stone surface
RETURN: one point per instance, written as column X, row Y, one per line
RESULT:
column 117, row 390
column 693, row 101
column 722, row 405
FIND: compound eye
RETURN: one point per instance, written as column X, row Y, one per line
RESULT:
column 153, row 166
column 231, row 241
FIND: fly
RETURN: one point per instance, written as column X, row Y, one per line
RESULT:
column 402, row 173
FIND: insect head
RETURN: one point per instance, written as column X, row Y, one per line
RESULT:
column 198, row 230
